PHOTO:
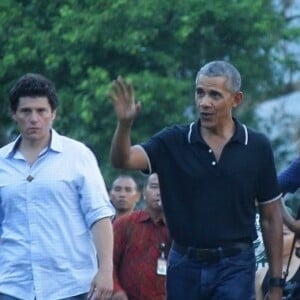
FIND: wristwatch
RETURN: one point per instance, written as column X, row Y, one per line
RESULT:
column 276, row 282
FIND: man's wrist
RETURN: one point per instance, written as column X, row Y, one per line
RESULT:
column 276, row 282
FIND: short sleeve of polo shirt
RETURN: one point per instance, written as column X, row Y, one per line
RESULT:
column 155, row 146
column 268, row 187
column 289, row 179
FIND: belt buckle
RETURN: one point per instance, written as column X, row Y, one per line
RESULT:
column 212, row 254
column 203, row 255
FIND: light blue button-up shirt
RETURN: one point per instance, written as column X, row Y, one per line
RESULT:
column 46, row 247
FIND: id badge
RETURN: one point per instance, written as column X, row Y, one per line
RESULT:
column 161, row 268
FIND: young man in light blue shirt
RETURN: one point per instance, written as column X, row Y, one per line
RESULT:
column 56, row 210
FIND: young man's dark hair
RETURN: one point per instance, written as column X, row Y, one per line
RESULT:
column 33, row 85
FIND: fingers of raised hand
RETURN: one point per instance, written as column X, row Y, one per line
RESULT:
column 121, row 91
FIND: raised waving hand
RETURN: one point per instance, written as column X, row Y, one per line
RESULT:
column 123, row 99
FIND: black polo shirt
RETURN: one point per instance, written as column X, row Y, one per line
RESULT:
column 209, row 203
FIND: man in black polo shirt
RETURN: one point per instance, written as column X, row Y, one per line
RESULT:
column 211, row 174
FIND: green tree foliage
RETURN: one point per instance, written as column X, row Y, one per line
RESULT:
column 82, row 45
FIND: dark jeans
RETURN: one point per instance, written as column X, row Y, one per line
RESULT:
column 78, row 297
column 230, row 278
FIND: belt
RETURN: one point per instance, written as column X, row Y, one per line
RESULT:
column 211, row 254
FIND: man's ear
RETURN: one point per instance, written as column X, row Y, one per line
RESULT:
column 53, row 115
column 13, row 115
column 138, row 197
column 238, row 98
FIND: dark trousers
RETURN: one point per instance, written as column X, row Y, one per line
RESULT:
column 229, row 278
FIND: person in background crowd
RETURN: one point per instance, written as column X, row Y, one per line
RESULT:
column 211, row 174
column 260, row 253
column 124, row 195
column 293, row 277
column 56, row 210
column 289, row 181
column 141, row 246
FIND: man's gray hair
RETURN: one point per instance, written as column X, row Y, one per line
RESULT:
column 220, row 68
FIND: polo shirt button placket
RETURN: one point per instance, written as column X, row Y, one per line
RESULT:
column 213, row 163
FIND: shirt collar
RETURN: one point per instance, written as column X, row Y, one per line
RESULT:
column 145, row 217
column 240, row 135
column 55, row 145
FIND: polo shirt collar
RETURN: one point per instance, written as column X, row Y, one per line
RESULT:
column 240, row 135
